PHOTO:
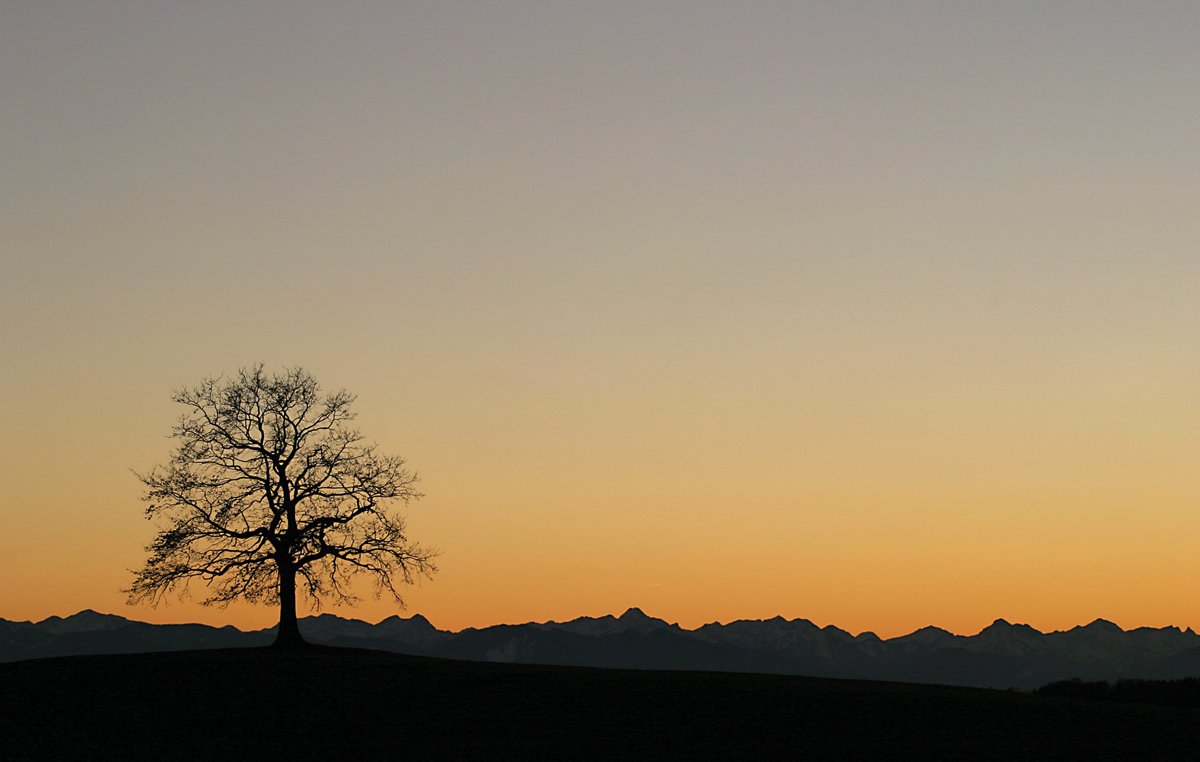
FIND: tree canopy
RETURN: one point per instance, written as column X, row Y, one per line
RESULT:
column 269, row 489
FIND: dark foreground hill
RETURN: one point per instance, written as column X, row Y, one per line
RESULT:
column 327, row 703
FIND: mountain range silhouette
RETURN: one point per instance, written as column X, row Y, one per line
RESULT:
column 1002, row 655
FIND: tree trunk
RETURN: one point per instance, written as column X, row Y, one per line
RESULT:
column 288, row 635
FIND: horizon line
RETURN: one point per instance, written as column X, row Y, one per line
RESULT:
column 634, row 610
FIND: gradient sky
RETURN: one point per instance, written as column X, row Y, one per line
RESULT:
column 880, row 314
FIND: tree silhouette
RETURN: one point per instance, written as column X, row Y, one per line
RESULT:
column 269, row 484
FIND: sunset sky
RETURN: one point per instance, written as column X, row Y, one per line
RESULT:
column 880, row 314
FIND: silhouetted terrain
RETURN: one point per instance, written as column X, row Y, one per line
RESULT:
column 1185, row 692
column 324, row 703
column 1003, row 655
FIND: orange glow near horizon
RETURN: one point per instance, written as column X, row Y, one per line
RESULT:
column 852, row 562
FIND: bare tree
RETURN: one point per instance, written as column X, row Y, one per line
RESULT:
column 269, row 484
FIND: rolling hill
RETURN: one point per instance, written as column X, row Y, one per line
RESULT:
column 325, row 703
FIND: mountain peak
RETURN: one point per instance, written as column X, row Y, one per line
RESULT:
column 92, row 615
column 416, row 619
column 635, row 617
column 1102, row 625
column 637, row 620
column 926, row 635
column 83, row 621
column 1003, row 625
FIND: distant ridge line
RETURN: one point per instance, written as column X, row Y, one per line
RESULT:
column 1001, row 655
column 84, row 618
